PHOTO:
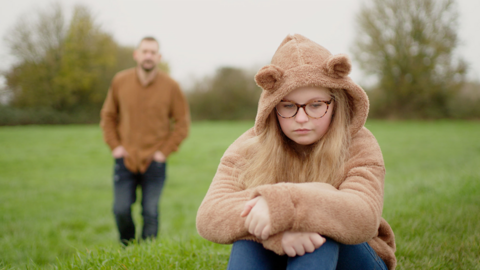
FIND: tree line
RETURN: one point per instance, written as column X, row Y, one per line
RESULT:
column 63, row 69
column 409, row 46
column 62, row 66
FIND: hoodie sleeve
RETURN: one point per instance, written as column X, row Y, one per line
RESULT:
column 350, row 214
column 218, row 218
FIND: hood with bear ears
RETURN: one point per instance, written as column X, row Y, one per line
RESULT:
column 300, row 62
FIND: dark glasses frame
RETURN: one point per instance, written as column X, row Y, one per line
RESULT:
column 305, row 105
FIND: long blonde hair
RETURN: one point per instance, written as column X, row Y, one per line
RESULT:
column 271, row 157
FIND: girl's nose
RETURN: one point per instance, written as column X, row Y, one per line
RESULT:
column 301, row 116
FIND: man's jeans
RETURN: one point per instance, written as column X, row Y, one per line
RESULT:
column 125, row 186
column 331, row 255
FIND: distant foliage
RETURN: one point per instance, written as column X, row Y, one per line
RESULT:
column 409, row 46
column 61, row 66
column 231, row 94
column 12, row 116
column 466, row 104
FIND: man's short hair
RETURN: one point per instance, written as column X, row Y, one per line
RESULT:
column 149, row 38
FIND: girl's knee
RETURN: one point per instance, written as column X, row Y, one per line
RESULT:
column 330, row 245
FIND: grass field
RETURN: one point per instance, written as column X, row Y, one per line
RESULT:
column 56, row 197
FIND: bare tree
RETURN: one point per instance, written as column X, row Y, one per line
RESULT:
column 33, row 37
column 35, row 41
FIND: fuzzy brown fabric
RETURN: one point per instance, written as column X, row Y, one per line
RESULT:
column 349, row 211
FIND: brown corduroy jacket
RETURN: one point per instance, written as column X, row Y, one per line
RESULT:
column 144, row 119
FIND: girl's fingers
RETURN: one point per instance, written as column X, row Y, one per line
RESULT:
column 289, row 251
column 308, row 246
column 299, row 250
column 248, row 220
column 297, row 244
column 262, row 230
column 265, row 232
column 252, row 226
column 317, row 240
column 246, row 210
column 258, row 230
column 256, row 223
column 248, row 206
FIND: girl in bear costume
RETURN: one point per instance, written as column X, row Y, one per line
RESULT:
column 302, row 189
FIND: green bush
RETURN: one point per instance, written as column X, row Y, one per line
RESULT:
column 463, row 105
column 467, row 103
column 231, row 94
column 11, row 116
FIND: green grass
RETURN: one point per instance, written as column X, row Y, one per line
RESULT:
column 56, row 197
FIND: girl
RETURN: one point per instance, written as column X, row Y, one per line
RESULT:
column 302, row 189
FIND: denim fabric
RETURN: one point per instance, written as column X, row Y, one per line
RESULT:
column 331, row 255
column 125, row 186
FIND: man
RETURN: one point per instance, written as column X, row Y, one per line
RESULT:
column 145, row 117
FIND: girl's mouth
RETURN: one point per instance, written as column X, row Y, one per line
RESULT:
column 302, row 130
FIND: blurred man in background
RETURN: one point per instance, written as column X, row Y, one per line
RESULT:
column 145, row 117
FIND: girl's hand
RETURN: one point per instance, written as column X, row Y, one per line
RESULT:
column 258, row 217
column 297, row 243
column 248, row 206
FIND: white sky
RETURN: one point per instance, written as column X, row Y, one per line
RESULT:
column 199, row 36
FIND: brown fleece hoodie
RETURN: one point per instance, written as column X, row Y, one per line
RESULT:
column 348, row 211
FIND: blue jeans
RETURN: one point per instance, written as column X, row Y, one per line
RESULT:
column 125, row 186
column 331, row 255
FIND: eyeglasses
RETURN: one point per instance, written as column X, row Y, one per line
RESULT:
column 314, row 109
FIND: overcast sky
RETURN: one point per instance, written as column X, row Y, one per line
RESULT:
column 199, row 36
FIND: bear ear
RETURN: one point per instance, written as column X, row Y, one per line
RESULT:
column 338, row 66
column 269, row 77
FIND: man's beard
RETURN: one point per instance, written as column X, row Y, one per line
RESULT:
column 149, row 68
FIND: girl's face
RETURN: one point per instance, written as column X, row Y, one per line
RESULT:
column 301, row 128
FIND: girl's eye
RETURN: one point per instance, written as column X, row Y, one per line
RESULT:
column 316, row 105
column 288, row 105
